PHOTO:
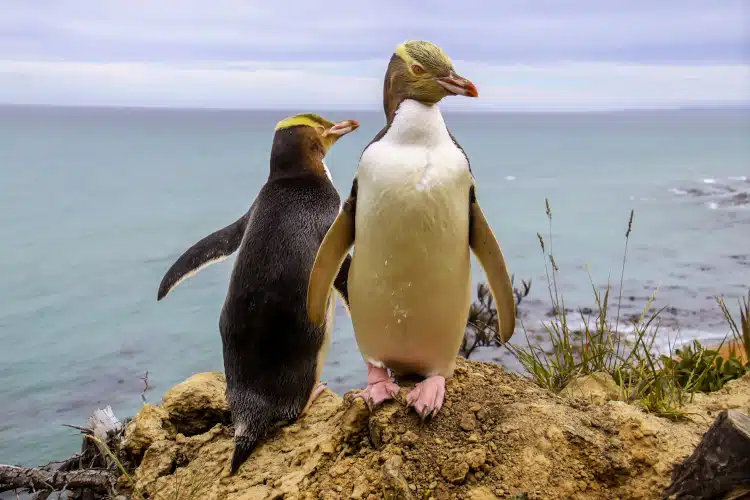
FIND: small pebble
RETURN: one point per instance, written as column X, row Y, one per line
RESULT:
column 468, row 421
column 409, row 438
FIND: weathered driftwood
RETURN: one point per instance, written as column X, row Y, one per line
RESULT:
column 89, row 472
column 37, row 479
column 719, row 468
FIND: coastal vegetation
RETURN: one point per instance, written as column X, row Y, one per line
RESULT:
column 620, row 348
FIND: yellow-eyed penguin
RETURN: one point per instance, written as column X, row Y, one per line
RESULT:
column 273, row 353
column 412, row 216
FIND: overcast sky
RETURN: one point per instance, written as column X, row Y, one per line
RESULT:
column 521, row 54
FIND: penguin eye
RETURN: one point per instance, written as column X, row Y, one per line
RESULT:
column 320, row 130
column 417, row 69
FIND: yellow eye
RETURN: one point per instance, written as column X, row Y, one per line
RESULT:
column 417, row 69
column 320, row 130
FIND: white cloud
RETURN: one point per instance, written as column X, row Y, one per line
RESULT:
column 357, row 85
column 491, row 30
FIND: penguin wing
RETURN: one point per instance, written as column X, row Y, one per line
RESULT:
column 341, row 283
column 327, row 270
column 485, row 246
column 213, row 248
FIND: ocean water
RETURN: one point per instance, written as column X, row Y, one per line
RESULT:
column 96, row 204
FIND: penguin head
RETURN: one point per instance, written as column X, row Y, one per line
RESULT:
column 316, row 129
column 306, row 138
column 420, row 70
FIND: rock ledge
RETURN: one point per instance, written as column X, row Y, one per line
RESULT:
column 498, row 436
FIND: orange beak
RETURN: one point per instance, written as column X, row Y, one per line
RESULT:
column 458, row 85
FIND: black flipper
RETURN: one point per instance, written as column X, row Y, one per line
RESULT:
column 213, row 248
column 341, row 283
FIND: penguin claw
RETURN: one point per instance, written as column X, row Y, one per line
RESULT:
column 427, row 397
column 317, row 391
column 380, row 387
column 377, row 393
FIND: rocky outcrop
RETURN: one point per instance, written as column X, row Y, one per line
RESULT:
column 498, row 436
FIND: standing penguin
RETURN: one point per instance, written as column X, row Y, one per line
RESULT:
column 412, row 216
column 273, row 353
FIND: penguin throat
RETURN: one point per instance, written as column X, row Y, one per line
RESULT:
column 418, row 123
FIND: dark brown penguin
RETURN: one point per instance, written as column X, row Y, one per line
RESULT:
column 273, row 353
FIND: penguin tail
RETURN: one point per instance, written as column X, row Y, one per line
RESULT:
column 247, row 435
column 243, row 447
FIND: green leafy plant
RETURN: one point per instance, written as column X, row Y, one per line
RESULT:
column 741, row 332
column 710, row 367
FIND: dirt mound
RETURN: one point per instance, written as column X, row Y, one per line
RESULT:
column 498, row 436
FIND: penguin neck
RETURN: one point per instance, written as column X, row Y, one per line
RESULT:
column 414, row 122
column 300, row 165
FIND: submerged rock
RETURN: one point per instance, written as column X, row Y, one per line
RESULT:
column 528, row 443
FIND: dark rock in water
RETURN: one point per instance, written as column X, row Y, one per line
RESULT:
column 554, row 312
column 740, row 199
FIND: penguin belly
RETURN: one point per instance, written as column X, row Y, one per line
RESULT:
column 410, row 276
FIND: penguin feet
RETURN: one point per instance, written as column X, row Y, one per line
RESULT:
column 317, row 391
column 380, row 387
column 427, row 396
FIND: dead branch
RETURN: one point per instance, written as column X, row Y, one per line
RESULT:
column 38, row 479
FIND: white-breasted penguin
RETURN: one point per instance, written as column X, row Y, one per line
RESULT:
column 273, row 353
column 413, row 218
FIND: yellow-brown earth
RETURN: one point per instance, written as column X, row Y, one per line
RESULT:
column 498, row 436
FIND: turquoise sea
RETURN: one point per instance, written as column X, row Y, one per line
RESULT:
column 96, row 204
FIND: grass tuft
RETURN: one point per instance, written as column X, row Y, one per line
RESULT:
column 660, row 383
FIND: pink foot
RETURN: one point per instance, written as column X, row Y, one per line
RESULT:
column 427, row 396
column 380, row 387
column 317, row 391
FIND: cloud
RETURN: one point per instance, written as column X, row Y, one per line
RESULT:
column 357, row 85
column 582, row 54
column 510, row 31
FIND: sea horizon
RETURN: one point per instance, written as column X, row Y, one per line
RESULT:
column 706, row 107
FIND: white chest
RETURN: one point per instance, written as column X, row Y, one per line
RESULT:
column 415, row 158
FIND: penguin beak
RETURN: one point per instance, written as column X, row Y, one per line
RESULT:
column 342, row 128
column 458, row 85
